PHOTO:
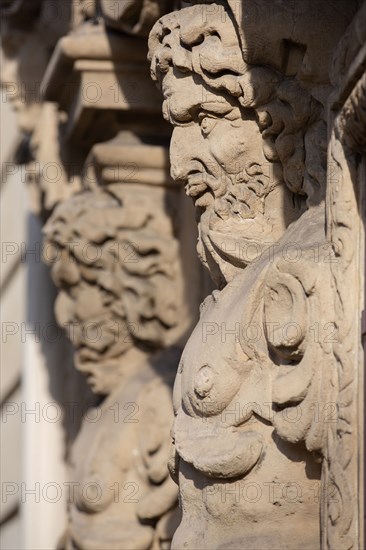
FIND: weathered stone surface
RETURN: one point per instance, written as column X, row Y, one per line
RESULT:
column 30, row 31
column 256, row 397
column 115, row 257
column 128, row 309
column 267, row 101
column 344, row 467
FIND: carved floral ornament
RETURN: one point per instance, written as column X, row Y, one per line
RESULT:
column 250, row 146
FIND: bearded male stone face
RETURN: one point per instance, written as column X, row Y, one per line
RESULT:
column 217, row 150
column 218, row 157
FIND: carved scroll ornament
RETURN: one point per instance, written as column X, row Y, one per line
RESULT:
column 343, row 467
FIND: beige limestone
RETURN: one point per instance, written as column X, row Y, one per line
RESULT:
column 267, row 103
column 125, row 315
column 256, row 395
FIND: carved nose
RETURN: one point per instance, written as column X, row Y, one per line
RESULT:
column 182, row 168
column 177, row 172
column 183, row 149
column 181, row 172
column 179, row 165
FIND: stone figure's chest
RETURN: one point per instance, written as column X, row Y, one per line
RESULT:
column 219, row 353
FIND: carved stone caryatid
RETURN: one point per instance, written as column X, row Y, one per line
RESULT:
column 247, row 91
column 115, row 259
column 128, row 311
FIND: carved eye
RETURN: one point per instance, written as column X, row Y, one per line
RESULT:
column 207, row 124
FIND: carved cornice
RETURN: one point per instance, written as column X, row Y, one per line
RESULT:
column 134, row 17
column 119, row 160
column 99, row 71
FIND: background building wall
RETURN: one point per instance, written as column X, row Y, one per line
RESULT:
column 37, row 374
column 13, row 279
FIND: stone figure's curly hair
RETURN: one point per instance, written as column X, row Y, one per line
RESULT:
column 120, row 245
column 288, row 116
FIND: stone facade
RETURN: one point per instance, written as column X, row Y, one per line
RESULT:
column 237, row 423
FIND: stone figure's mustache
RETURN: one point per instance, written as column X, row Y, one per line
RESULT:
column 201, row 182
column 202, row 187
column 196, row 183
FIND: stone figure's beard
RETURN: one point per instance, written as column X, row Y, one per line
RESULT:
column 233, row 229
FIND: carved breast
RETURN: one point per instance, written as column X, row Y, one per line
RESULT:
column 252, row 360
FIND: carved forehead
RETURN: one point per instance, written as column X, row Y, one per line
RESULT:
column 191, row 25
column 196, row 53
column 93, row 216
column 98, row 215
